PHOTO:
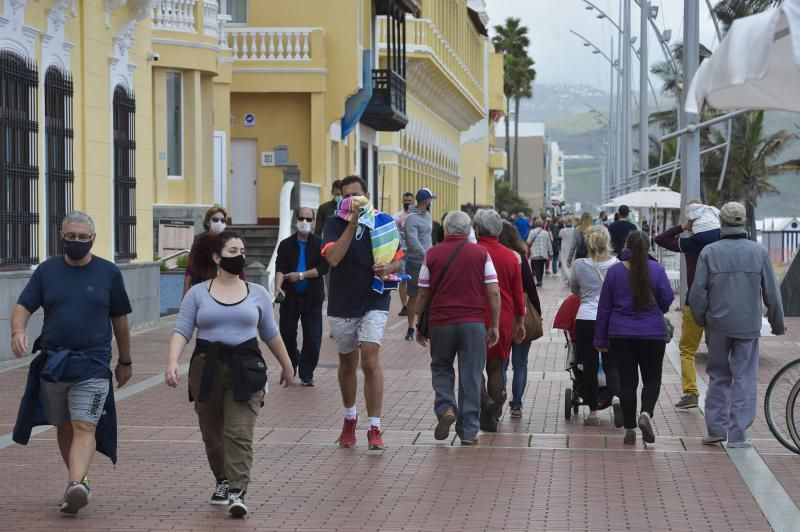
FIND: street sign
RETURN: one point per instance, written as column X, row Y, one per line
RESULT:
column 249, row 120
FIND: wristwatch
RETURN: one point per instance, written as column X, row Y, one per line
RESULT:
column 302, row 276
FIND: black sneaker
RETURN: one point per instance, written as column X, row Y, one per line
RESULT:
column 75, row 497
column 308, row 382
column 403, row 311
column 410, row 336
column 687, row 401
column 220, row 496
column 488, row 417
column 236, row 505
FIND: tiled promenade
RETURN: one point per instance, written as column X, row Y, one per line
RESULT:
column 540, row 472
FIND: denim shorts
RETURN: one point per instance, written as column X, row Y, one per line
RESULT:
column 348, row 333
column 74, row 401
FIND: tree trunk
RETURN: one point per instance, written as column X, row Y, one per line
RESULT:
column 508, row 143
column 516, row 144
column 750, row 209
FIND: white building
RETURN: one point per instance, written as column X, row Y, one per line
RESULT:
column 557, row 185
column 781, row 236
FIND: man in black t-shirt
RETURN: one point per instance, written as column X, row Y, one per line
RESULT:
column 620, row 230
column 357, row 314
column 84, row 299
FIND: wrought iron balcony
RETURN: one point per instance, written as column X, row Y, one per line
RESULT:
column 386, row 110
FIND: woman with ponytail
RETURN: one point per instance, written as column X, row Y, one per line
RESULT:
column 630, row 323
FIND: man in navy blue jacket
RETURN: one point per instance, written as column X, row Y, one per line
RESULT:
column 84, row 299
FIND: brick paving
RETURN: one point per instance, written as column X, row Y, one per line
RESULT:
column 540, row 472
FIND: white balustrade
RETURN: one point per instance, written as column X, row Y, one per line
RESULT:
column 175, row 15
column 270, row 44
column 210, row 20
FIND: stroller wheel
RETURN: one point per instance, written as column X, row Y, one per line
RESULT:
column 568, row 403
column 619, row 421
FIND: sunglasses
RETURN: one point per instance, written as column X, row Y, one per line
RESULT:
column 301, row 219
column 217, row 219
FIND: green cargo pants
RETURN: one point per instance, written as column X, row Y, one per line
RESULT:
column 226, row 425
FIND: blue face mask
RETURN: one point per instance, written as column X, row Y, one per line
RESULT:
column 76, row 250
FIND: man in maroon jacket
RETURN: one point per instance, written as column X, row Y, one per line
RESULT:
column 458, row 300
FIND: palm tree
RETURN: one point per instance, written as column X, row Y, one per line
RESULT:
column 511, row 40
column 521, row 75
column 727, row 11
column 752, row 162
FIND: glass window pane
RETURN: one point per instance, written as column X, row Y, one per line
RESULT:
column 237, row 10
column 174, row 124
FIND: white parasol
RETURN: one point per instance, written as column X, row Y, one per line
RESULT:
column 757, row 64
column 649, row 197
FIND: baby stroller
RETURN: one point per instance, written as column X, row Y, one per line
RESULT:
column 573, row 400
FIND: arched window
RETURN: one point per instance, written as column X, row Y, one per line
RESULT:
column 19, row 173
column 124, row 174
column 58, row 152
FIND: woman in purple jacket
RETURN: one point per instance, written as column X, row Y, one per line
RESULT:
column 630, row 323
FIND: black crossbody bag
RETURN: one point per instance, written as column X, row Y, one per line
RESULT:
column 422, row 324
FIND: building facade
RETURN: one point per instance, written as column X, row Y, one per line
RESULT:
column 534, row 163
column 76, row 118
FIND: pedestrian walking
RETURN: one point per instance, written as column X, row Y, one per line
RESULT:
column 555, row 237
column 620, row 229
column 357, row 313
column 327, row 209
column 578, row 248
column 691, row 333
column 522, row 225
column 509, row 237
column 418, row 228
column 630, row 325
column 69, row 383
column 399, row 219
column 734, row 276
column 299, row 268
column 457, row 283
column 566, row 234
column 214, row 222
column 541, row 250
column 488, row 226
column 586, row 281
column 227, row 374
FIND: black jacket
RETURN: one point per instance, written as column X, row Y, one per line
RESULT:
column 286, row 262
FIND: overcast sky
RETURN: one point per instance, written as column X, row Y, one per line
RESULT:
column 560, row 56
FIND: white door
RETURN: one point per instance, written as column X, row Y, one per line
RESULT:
column 243, row 207
column 220, row 183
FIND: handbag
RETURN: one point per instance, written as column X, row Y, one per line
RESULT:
column 423, row 326
column 533, row 322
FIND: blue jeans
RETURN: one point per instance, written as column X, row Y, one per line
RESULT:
column 554, row 263
column 519, row 362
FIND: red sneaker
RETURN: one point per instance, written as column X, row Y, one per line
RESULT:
column 348, row 436
column 374, row 439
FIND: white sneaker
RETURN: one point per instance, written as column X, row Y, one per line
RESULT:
column 236, row 505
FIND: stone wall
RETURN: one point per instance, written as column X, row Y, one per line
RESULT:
column 141, row 283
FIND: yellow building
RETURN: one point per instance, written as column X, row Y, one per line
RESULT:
column 76, row 121
column 331, row 87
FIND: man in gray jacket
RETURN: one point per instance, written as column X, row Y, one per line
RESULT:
column 733, row 276
column 417, row 228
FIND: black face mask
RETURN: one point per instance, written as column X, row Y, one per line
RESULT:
column 406, row 206
column 232, row 265
column 76, row 250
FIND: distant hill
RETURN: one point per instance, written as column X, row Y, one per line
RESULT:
column 566, row 112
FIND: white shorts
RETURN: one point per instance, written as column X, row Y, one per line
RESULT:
column 348, row 333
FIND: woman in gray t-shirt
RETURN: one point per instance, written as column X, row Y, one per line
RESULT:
column 227, row 375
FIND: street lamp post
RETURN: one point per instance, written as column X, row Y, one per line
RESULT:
column 644, row 149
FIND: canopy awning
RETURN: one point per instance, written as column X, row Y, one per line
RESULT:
column 757, row 64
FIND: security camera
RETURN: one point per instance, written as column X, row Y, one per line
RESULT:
column 153, row 56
